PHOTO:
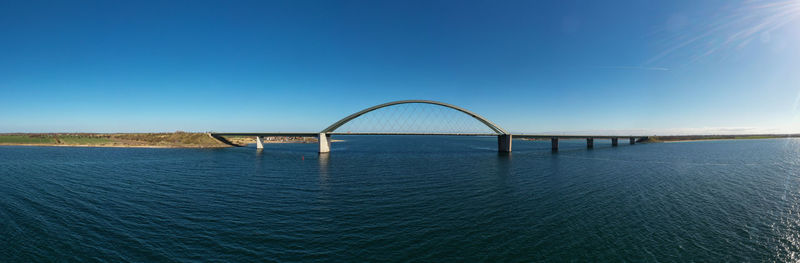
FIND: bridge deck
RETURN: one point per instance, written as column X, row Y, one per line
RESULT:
column 268, row 134
column 529, row 136
column 545, row 136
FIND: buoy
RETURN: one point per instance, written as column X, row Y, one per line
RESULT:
column 304, row 157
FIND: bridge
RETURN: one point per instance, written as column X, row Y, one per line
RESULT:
column 406, row 122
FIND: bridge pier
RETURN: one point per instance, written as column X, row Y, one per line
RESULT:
column 554, row 144
column 614, row 141
column 633, row 140
column 324, row 142
column 590, row 143
column 259, row 144
column 504, row 143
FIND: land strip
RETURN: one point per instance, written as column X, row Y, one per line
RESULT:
column 676, row 138
column 149, row 140
column 145, row 140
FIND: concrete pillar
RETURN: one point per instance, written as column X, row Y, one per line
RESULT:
column 324, row 143
column 590, row 143
column 554, row 142
column 633, row 140
column 504, row 143
column 259, row 144
column 614, row 141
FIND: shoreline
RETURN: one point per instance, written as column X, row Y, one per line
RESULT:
column 725, row 139
column 146, row 146
column 113, row 140
column 697, row 138
column 112, row 146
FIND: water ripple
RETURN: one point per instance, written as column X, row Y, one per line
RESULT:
column 412, row 199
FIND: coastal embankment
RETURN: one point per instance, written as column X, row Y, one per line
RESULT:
column 145, row 140
column 149, row 140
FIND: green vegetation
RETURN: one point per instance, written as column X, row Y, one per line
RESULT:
column 176, row 139
column 66, row 139
column 27, row 139
column 82, row 140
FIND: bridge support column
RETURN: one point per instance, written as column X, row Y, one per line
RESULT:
column 633, row 140
column 590, row 143
column 614, row 141
column 259, row 144
column 554, row 142
column 324, row 143
column 504, row 143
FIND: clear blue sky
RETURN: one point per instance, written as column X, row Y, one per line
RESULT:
column 529, row 66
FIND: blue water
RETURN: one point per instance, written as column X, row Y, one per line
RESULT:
column 402, row 198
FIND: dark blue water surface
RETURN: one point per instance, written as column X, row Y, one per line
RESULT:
column 404, row 198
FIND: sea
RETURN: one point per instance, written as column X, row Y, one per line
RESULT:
column 404, row 198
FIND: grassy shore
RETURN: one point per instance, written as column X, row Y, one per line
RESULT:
column 154, row 140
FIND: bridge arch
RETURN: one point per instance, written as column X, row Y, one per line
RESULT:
column 489, row 124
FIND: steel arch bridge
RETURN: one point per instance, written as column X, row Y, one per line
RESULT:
column 345, row 120
column 504, row 138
